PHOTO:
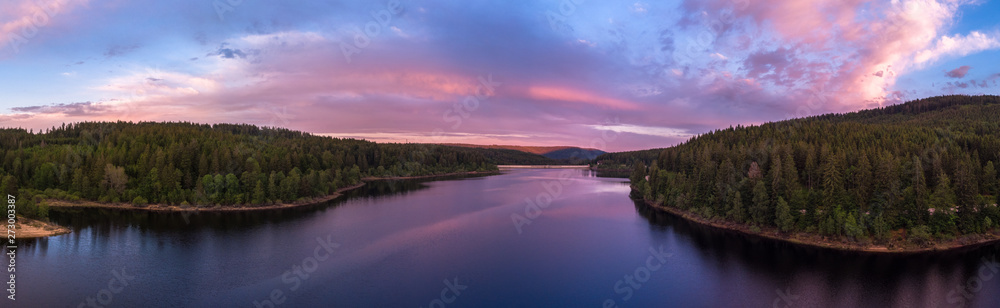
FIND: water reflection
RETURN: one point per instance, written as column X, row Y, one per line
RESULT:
column 828, row 277
column 399, row 239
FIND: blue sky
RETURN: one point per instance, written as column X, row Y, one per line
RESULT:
column 617, row 75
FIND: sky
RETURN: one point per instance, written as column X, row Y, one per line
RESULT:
column 611, row 75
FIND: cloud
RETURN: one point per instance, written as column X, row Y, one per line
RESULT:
column 958, row 72
column 21, row 20
column 767, row 63
column 855, row 49
column 667, row 70
column 958, row 45
column 70, row 109
column 578, row 96
column 644, row 130
column 229, row 53
column 119, row 50
column 962, row 85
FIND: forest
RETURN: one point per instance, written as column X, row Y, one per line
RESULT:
column 917, row 172
column 200, row 165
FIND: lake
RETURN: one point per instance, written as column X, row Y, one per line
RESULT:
column 525, row 238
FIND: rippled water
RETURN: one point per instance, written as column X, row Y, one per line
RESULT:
column 455, row 243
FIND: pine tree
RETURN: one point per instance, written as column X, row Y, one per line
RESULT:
column 761, row 209
column 737, row 212
column 880, row 229
column 784, row 219
column 989, row 181
column 942, row 200
column 862, row 182
column 233, row 193
column 790, row 175
column 774, row 176
column 638, row 173
column 833, row 182
column 259, row 196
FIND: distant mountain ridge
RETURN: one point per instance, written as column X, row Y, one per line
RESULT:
column 553, row 152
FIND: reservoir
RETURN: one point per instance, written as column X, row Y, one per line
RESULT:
column 524, row 238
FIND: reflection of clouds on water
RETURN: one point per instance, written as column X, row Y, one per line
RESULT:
column 396, row 249
column 611, row 188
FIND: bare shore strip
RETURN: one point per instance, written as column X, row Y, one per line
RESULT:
column 51, row 229
column 506, row 167
column 30, row 228
column 815, row 240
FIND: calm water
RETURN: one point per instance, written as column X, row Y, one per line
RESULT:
column 395, row 244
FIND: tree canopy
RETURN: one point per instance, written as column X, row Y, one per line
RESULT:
column 927, row 164
column 203, row 165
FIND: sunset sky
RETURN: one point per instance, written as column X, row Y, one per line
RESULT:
column 632, row 75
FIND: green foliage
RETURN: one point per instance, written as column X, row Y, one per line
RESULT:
column 989, row 181
column 42, row 210
column 737, row 212
column 880, row 229
column 761, row 210
column 512, row 157
column 853, row 228
column 858, row 174
column 707, row 212
column 176, row 163
column 920, row 234
column 783, row 217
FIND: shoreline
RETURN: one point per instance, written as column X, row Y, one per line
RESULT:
column 242, row 208
column 215, row 208
column 28, row 228
column 818, row 241
column 508, row 167
column 414, row 177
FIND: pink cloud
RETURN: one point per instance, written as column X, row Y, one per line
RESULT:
column 853, row 49
column 578, row 96
column 778, row 58
column 958, row 72
column 22, row 20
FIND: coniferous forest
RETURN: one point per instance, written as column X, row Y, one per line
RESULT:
column 917, row 172
column 201, row 165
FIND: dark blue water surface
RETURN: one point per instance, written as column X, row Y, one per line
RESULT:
column 395, row 244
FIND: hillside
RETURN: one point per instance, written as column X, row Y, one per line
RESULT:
column 563, row 154
column 915, row 174
column 574, row 153
column 500, row 156
column 624, row 160
column 202, row 165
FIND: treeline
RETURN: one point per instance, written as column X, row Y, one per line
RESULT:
column 917, row 171
column 625, row 160
column 510, row 157
column 532, row 155
column 202, row 165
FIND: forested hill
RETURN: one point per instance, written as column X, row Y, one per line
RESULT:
column 926, row 167
column 624, row 160
column 543, row 155
column 501, row 156
column 200, row 165
column 894, row 114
